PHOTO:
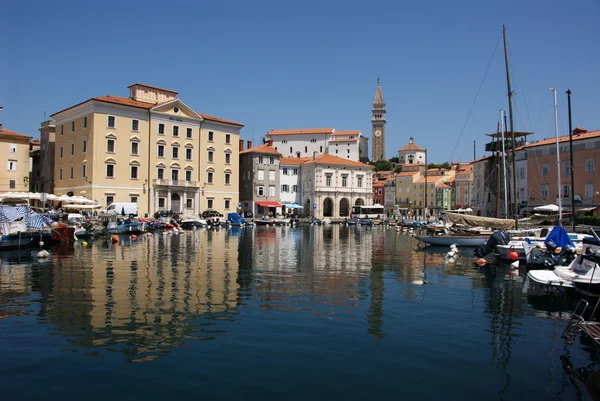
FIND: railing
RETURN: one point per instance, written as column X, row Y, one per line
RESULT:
column 176, row 183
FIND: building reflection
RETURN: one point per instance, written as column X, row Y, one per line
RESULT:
column 144, row 297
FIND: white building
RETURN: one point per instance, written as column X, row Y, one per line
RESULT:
column 411, row 153
column 289, row 179
column 350, row 145
column 332, row 185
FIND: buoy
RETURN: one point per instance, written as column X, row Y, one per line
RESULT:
column 512, row 255
column 481, row 262
column 43, row 254
column 41, row 243
column 115, row 238
column 83, row 243
column 133, row 237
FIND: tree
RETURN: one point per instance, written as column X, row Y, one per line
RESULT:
column 443, row 165
column 381, row 165
column 395, row 159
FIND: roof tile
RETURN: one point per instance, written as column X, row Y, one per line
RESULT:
column 266, row 149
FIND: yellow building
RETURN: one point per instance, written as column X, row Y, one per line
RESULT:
column 14, row 176
column 150, row 148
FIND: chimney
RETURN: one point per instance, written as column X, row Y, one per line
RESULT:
column 270, row 142
column 249, row 144
column 578, row 130
column 314, row 155
column 0, row 126
column 241, row 145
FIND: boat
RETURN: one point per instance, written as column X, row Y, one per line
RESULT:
column 282, row 221
column 474, row 240
column 235, row 219
column 189, row 223
column 582, row 275
column 264, row 222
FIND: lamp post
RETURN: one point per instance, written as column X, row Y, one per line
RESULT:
column 426, row 167
column 571, row 161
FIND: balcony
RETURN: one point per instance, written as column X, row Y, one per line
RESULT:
column 176, row 183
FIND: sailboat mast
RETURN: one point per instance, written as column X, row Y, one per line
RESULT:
column 512, row 130
column 503, row 129
column 559, row 194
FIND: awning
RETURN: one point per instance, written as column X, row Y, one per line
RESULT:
column 294, row 206
column 268, row 204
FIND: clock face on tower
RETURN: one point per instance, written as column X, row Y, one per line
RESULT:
column 377, row 133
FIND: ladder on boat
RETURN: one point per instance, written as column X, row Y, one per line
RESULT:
column 578, row 324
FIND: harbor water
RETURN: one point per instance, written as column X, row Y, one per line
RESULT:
column 278, row 313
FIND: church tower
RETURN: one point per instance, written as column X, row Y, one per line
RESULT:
column 378, row 124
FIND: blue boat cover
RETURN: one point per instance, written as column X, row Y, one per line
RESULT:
column 235, row 218
column 559, row 236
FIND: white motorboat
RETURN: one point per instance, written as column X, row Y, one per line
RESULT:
column 282, row 221
column 524, row 246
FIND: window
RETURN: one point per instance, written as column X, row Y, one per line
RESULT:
column 348, row 150
column 285, row 188
column 522, row 172
column 188, row 154
column 227, row 178
column 12, row 184
column 175, row 152
column 135, row 125
column 60, row 151
column 161, row 150
column 271, row 190
column 260, row 160
column 566, row 167
column 227, row 138
column 134, row 172
column 60, row 174
column 133, row 199
column 291, row 150
column 110, row 199
column 160, row 173
column 589, row 166
column 83, row 171
column 227, row 158
column 210, row 177
column 72, row 149
column 336, row 151
column 161, row 129
column 111, row 122
column 71, row 173
column 284, row 171
column 566, row 191
column 84, row 122
column 110, row 146
column 13, row 148
column 589, row 190
column 161, row 203
column 260, row 191
column 210, row 202
column 188, row 133
column 210, row 156
column 295, row 171
column 328, row 179
column 211, row 136
column 344, row 180
column 62, row 129
column 359, row 181
column 271, row 175
column 12, row 165
column 72, row 126
column 545, row 170
column 189, row 203
column 294, row 188
column 271, row 160
column 188, row 175
column 174, row 174
column 321, row 148
column 135, row 148
column 227, row 204
column 260, row 175
column 306, row 149
column 84, row 146
column 175, row 130
column 110, row 170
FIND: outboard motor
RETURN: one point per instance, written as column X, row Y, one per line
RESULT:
column 500, row 237
column 548, row 258
column 551, row 246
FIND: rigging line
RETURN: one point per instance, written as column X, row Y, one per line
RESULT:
column 475, row 100
column 512, row 62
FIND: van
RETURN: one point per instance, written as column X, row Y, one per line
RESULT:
column 122, row 208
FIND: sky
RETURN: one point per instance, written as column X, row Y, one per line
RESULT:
column 282, row 65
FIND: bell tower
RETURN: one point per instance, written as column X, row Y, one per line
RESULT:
column 378, row 126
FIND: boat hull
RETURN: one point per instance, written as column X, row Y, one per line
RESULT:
column 441, row 240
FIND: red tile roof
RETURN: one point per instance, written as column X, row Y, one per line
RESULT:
column 154, row 87
column 266, row 149
column 379, row 184
column 301, row 131
column 346, row 133
column 13, row 134
column 481, row 159
column 219, row 120
column 329, row 159
column 452, row 179
column 294, row 160
column 35, row 142
column 412, row 146
column 442, row 185
column 407, row 173
column 561, row 139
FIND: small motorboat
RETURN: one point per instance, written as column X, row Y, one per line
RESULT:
column 264, row 222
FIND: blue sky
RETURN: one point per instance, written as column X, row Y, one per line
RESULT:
column 280, row 64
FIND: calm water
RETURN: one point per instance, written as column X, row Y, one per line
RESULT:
column 331, row 313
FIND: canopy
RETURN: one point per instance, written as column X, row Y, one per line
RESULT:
column 547, row 208
column 478, row 221
column 294, row 206
column 560, row 237
column 73, row 206
column 268, row 204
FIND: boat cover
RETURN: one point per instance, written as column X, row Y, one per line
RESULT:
column 235, row 218
column 478, row 221
column 500, row 237
column 560, row 237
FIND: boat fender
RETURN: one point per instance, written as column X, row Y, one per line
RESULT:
column 115, row 239
column 43, row 254
column 481, row 262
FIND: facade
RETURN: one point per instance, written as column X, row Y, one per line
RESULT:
column 260, row 180
column 378, row 192
column 34, row 165
column 405, row 195
column 290, row 180
column 14, row 176
column 484, row 187
column 42, row 176
column 411, row 154
column 331, row 186
column 150, row 148
column 309, row 142
column 378, row 121
column 389, row 194
column 435, row 178
column 443, row 197
column 463, row 186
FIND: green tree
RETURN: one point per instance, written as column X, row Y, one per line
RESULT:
column 442, row 165
column 395, row 159
column 381, row 165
